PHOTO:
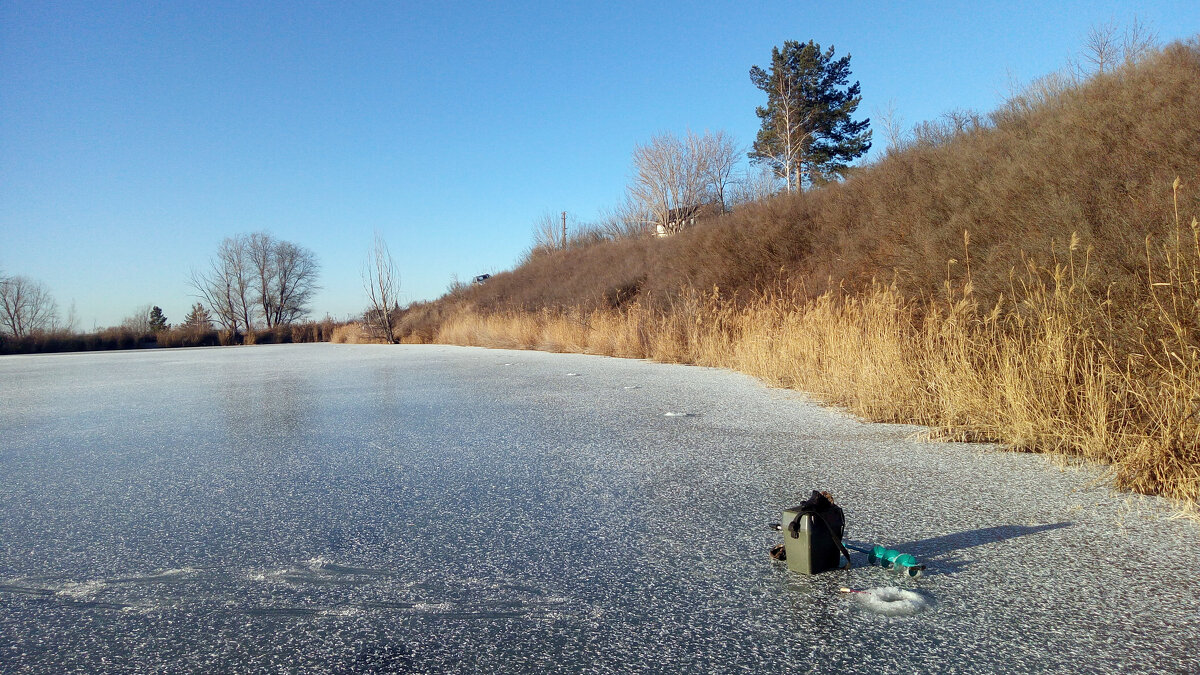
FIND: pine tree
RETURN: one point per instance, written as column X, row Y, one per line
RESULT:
column 807, row 133
column 158, row 322
column 198, row 318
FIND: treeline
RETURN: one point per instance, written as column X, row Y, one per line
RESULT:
column 124, row 337
column 256, row 290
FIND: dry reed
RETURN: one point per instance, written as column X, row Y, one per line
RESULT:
column 1053, row 366
column 1069, row 323
column 353, row 333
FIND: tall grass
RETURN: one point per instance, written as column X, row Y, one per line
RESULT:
column 354, row 333
column 1066, row 321
column 1055, row 365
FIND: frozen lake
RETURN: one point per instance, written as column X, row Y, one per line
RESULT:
column 349, row 508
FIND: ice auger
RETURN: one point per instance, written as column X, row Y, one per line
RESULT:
column 891, row 559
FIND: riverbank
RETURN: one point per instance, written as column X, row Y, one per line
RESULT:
column 1042, row 371
column 1028, row 277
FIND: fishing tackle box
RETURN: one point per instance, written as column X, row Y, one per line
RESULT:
column 809, row 535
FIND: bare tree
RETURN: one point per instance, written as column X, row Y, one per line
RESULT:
column 1024, row 99
column 216, row 290
column 382, row 283
column 456, row 285
column 961, row 121
column 1138, row 41
column 139, row 321
column 71, row 325
column 295, row 269
column 260, row 253
column 721, row 155
column 547, row 233
column 758, row 183
column 26, row 307
column 791, row 126
column 675, row 178
column 285, row 278
column 258, row 276
column 227, row 285
column 665, row 180
column 1107, row 47
column 893, row 127
column 1101, row 47
column 624, row 221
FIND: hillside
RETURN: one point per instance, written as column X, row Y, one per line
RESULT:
column 1098, row 160
column 1029, row 277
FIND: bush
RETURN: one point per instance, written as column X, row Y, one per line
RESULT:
column 124, row 337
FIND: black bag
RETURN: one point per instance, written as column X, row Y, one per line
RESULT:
column 812, row 538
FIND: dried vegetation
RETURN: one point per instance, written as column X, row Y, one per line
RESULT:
column 1031, row 278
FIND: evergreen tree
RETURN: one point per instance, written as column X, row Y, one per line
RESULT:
column 158, row 322
column 807, row 133
column 198, row 318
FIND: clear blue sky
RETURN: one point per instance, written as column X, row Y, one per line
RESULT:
column 135, row 136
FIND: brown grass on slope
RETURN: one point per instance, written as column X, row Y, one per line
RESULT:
column 1096, row 159
column 1036, row 371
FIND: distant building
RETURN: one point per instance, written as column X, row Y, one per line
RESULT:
column 685, row 216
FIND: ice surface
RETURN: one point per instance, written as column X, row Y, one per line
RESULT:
column 360, row 508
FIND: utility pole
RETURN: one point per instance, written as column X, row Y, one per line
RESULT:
column 564, row 214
